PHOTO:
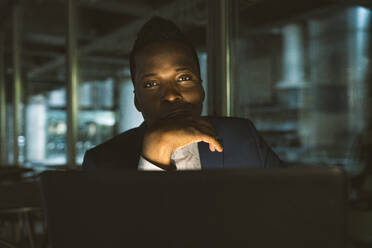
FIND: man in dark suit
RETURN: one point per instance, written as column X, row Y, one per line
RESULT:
column 168, row 92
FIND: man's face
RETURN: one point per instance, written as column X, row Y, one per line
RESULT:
column 167, row 82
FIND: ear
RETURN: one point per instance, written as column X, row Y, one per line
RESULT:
column 137, row 103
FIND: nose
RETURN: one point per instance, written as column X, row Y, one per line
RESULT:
column 171, row 93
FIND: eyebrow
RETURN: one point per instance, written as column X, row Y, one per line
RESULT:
column 176, row 70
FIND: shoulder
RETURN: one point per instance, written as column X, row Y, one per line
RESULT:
column 242, row 142
column 118, row 140
column 110, row 154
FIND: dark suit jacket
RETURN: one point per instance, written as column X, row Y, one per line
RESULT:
column 242, row 146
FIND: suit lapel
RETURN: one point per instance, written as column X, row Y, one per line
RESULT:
column 208, row 159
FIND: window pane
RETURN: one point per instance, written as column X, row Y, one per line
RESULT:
column 106, row 32
column 44, row 87
column 304, row 80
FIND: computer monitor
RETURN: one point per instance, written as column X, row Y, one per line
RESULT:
column 289, row 208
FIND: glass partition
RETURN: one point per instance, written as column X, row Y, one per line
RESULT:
column 304, row 79
column 44, row 82
column 105, row 33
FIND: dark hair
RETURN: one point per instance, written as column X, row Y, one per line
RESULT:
column 157, row 29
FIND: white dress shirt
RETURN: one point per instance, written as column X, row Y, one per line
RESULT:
column 185, row 158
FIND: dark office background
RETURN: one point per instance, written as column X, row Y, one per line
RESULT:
column 300, row 70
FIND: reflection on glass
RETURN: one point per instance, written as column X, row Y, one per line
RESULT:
column 304, row 85
column 97, row 114
column 129, row 117
column 56, row 137
column 94, row 128
column 46, row 128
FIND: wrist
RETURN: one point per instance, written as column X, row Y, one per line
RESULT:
column 156, row 152
column 156, row 157
column 170, row 167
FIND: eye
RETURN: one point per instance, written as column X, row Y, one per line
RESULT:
column 185, row 78
column 150, row 84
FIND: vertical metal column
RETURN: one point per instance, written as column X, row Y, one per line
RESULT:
column 219, row 57
column 3, row 136
column 17, row 77
column 72, row 81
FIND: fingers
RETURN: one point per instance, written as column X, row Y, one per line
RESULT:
column 206, row 131
column 207, row 134
column 204, row 127
column 211, row 147
column 178, row 133
column 193, row 135
column 213, row 143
